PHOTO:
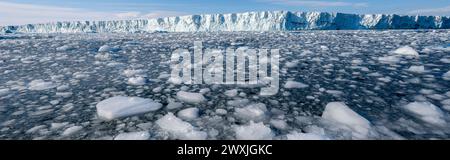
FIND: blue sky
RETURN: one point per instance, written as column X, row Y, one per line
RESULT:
column 32, row 11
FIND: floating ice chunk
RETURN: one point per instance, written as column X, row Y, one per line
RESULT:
column 292, row 64
column 279, row 124
column 63, row 88
column 253, row 112
column 341, row 114
column 35, row 129
column 136, row 81
column 119, row 106
column 406, row 51
column 143, row 135
column 389, row 59
column 446, row 76
column 190, row 97
column 56, row 126
column 293, row 84
column 131, row 72
column 173, row 105
column 231, row 93
column 221, row 111
column 417, row 69
column 305, row 136
column 71, row 130
column 40, row 85
column 204, row 90
column 188, row 113
column 103, row 56
column 238, row 102
column 106, row 48
column 4, row 91
column 180, row 129
column 426, row 112
column 253, row 131
column 64, row 48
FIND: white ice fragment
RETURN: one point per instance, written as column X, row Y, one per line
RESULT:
column 406, row 51
column 120, row 106
column 180, row 129
column 446, row 76
column 136, row 81
column 132, row 72
column 188, row 113
column 4, row 91
column 294, row 84
column 173, row 105
column 417, row 69
column 231, row 93
column 204, row 90
column 304, row 136
column 105, row 48
column 190, row 97
column 71, row 130
column 40, row 85
column 426, row 112
column 339, row 113
column 292, row 64
column 279, row 124
column 253, row 112
column 253, row 131
column 56, row 126
column 221, row 111
column 64, row 48
column 389, row 59
column 35, row 129
column 142, row 135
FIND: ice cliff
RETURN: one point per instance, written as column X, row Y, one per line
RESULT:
column 248, row 21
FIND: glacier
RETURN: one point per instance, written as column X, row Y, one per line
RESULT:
column 248, row 21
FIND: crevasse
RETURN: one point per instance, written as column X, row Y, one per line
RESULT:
column 248, row 21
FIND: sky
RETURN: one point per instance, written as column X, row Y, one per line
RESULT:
column 17, row 12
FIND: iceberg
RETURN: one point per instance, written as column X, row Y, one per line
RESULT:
column 247, row 21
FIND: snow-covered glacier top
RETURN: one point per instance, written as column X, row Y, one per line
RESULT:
column 248, row 21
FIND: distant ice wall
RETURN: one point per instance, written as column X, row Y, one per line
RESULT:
column 248, row 21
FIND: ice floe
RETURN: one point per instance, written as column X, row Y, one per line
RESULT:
column 120, row 106
column 347, row 119
column 426, row 112
column 180, row 129
column 142, row 135
column 190, row 97
column 253, row 131
column 188, row 113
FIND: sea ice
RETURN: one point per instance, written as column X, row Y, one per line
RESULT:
column 136, row 81
column 426, row 112
column 40, row 85
column 417, row 69
column 253, row 131
column 446, row 76
column 190, row 97
column 339, row 113
column 120, row 106
column 294, row 84
column 142, row 135
column 231, row 93
column 188, row 113
column 253, row 112
column 406, row 51
column 71, row 130
column 305, row 136
column 179, row 129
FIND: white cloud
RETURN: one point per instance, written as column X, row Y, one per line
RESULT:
column 445, row 11
column 19, row 13
column 316, row 3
